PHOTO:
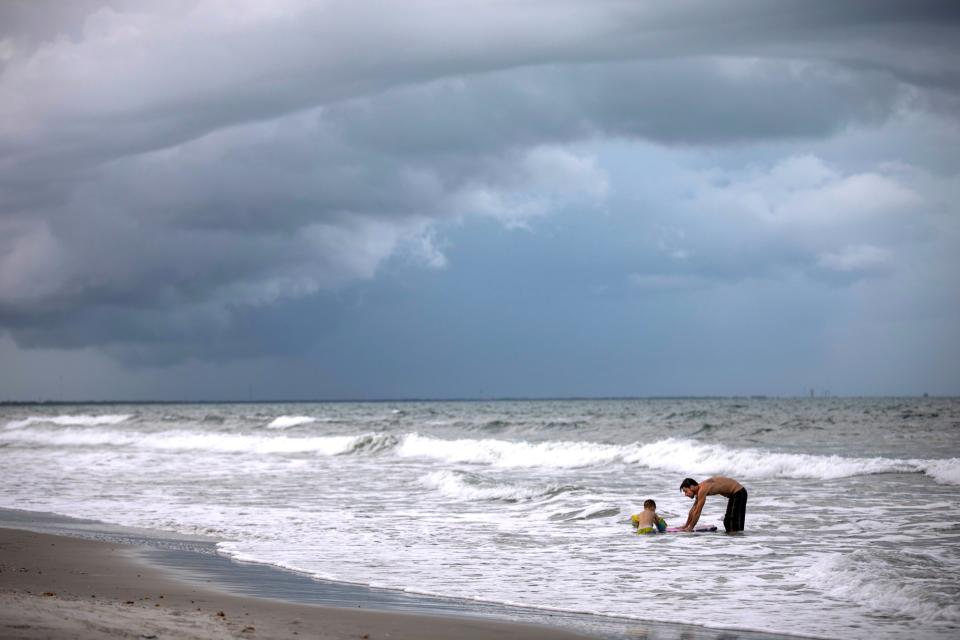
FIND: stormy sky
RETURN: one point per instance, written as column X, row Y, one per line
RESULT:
column 223, row 199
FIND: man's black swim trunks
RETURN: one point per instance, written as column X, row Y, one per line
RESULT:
column 736, row 511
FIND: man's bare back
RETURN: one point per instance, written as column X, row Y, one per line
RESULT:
column 721, row 485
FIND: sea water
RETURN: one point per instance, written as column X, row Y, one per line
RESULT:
column 852, row 527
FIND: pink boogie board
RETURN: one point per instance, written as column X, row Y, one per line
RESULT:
column 704, row 528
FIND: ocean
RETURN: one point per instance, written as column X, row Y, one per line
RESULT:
column 852, row 527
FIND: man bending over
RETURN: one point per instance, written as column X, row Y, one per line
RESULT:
column 734, row 492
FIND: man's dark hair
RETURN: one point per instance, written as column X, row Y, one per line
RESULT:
column 688, row 482
column 649, row 504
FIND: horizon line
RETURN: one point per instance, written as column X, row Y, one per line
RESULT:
column 831, row 396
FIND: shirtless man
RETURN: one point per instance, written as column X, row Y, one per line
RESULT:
column 734, row 492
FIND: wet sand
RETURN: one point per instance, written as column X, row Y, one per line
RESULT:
column 63, row 587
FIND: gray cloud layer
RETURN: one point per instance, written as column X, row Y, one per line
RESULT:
column 173, row 171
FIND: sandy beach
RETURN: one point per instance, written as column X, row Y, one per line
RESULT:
column 62, row 587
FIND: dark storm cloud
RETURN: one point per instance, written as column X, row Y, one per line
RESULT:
column 31, row 22
column 172, row 171
column 143, row 80
column 690, row 101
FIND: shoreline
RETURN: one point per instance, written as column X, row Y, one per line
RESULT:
column 56, row 586
column 127, row 569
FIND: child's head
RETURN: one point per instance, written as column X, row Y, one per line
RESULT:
column 650, row 504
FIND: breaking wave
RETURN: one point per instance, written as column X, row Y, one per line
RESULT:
column 676, row 455
column 374, row 443
column 285, row 422
column 186, row 441
column 946, row 471
column 79, row 420
column 683, row 456
column 471, row 486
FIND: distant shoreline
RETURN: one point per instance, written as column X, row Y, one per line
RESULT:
column 22, row 403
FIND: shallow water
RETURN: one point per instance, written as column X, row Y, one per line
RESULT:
column 853, row 528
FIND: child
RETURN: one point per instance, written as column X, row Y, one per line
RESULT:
column 648, row 521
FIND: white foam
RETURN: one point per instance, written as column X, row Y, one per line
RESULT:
column 696, row 457
column 285, row 422
column 946, row 471
column 188, row 440
column 675, row 455
column 455, row 485
column 68, row 420
column 503, row 453
column 883, row 584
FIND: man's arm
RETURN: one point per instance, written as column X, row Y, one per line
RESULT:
column 695, row 510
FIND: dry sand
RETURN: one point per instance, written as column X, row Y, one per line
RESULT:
column 60, row 587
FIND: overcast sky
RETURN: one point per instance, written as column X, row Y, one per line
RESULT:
column 234, row 199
